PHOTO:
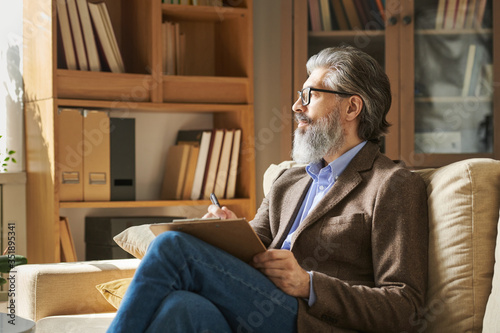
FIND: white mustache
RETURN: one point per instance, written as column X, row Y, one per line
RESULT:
column 301, row 117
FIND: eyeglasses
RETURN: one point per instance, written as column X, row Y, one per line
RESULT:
column 305, row 94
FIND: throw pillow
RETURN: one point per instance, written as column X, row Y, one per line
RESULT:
column 491, row 321
column 114, row 291
column 135, row 240
column 463, row 200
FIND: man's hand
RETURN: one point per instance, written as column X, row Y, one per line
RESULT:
column 281, row 267
column 223, row 213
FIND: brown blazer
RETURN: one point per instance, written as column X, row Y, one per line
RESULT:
column 365, row 242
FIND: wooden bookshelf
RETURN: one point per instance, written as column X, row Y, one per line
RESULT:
column 221, row 87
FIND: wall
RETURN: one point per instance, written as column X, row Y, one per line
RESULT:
column 267, row 85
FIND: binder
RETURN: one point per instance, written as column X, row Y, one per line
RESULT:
column 233, row 166
column 122, row 159
column 70, row 160
column 96, row 156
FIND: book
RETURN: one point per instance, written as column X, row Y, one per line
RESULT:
column 65, row 30
column 352, row 15
column 74, row 19
column 481, row 8
column 201, row 165
column 470, row 16
column 461, row 14
column 362, row 13
column 450, row 14
column 233, row 165
column 88, row 36
column 338, row 10
column 476, row 70
column 175, row 172
column 440, row 14
column 106, row 36
column 213, row 162
column 468, row 70
column 190, row 172
column 324, row 9
column 223, row 169
column 235, row 236
column 314, row 15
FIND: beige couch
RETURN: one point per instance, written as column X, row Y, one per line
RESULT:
column 463, row 294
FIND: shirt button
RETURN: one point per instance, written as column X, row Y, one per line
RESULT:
column 321, row 188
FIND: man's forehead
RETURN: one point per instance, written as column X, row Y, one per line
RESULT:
column 316, row 77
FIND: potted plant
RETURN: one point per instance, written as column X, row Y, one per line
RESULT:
column 6, row 159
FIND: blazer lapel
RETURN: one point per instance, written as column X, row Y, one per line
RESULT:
column 293, row 198
column 347, row 182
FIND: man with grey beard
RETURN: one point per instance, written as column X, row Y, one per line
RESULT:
column 346, row 235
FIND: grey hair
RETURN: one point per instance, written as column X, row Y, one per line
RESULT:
column 353, row 71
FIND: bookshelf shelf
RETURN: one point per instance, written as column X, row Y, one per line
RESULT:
column 151, row 203
column 454, row 99
column 454, row 32
column 153, row 107
column 202, row 13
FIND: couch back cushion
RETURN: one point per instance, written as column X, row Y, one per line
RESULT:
column 464, row 205
column 491, row 322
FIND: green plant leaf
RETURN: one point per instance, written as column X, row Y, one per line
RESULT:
column 6, row 159
column 11, row 152
column 14, row 160
column 2, row 281
column 7, row 262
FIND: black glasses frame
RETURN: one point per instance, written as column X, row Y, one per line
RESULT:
column 306, row 93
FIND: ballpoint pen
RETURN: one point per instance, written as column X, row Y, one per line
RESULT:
column 214, row 200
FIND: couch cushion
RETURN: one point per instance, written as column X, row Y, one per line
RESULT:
column 113, row 291
column 135, row 240
column 90, row 323
column 491, row 322
column 463, row 213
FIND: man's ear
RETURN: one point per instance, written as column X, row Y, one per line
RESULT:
column 355, row 106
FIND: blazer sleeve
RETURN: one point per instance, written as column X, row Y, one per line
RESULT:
column 399, row 253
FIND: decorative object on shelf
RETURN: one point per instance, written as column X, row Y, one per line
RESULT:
column 6, row 158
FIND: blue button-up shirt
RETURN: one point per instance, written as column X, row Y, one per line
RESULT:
column 323, row 180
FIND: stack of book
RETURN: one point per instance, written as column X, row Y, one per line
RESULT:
column 78, row 21
column 460, row 14
column 327, row 15
column 202, row 162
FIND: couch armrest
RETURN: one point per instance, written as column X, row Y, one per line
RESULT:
column 66, row 288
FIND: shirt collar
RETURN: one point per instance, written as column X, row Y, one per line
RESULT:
column 336, row 167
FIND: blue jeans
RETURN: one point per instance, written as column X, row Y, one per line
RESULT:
column 186, row 285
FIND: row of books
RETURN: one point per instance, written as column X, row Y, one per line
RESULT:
column 202, row 162
column 86, row 31
column 174, row 48
column 460, row 14
column 217, row 3
column 478, row 78
column 327, row 15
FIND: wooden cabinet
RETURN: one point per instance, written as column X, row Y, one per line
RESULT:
column 445, row 106
column 217, row 85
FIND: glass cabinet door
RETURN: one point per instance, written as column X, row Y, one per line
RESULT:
column 453, row 82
